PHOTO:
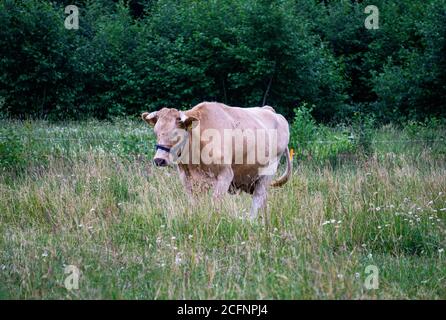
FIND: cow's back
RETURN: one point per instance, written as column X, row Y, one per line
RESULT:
column 220, row 116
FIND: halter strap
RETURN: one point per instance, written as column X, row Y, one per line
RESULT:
column 158, row 146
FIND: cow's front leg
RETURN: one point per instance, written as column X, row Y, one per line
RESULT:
column 259, row 198
column 186, row 178
column 223, row 182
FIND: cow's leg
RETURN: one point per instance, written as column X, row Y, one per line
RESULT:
column 259, row 198
column 223, row 182
column 186, row 178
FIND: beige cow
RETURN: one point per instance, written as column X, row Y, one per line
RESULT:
column 224, row 148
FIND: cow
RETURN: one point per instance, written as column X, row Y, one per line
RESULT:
column 238, row 163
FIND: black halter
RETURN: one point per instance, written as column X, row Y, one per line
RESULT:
column 158, row 146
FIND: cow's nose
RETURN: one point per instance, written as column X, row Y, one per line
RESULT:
column 160, row 162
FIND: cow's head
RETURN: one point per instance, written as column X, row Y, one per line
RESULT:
column 166, row 124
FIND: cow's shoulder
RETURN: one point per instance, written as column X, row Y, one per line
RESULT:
column 210, row 111
column 205, row 107
column 269, row 108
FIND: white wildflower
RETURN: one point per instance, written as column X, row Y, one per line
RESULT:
column 178, row 259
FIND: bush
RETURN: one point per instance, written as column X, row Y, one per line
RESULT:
column 412, row 81
column 12, row 151
column 303, row 128
column 363, row 127
column 130, row 56
column 318, row 142
column 36, row 75
column 244, row 53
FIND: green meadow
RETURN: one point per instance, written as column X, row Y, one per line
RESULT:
column 85, row 194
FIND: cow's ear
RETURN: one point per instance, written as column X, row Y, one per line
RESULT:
column 187, row 122
column 150, row 118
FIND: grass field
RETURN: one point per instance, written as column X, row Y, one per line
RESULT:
column 86, row 194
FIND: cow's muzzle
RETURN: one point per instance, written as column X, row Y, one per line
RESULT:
column 160, row 162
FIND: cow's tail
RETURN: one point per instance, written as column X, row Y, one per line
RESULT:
column 289, row 167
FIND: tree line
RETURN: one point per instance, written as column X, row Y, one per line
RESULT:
column 130, row 56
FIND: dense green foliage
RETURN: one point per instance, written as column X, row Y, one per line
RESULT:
column 129, row 56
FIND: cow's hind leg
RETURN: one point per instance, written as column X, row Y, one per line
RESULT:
column 259, row 197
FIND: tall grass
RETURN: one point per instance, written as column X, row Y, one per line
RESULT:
column 86, row 194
